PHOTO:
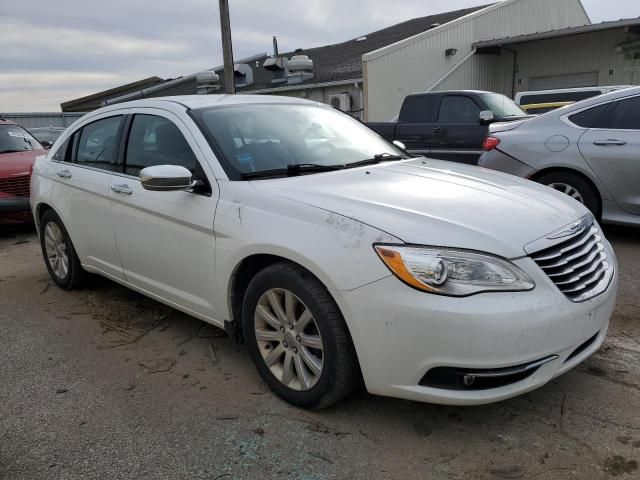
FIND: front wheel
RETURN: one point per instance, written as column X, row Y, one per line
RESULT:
column 59, row 255
column 297, row 337
column 574, row 186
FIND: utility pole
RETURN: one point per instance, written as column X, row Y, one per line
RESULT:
column 227, row 48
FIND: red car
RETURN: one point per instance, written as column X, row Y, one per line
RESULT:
column 18, row 151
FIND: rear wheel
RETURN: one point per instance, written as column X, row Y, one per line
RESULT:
column 297, row 337
column 59, row 255
column 574, row 186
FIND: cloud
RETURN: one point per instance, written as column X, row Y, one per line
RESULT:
column 56, row 51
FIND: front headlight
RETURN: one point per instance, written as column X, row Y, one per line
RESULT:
column 452, row 272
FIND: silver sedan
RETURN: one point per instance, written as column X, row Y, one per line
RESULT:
column 589, row 150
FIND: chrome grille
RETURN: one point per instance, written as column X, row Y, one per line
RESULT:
column 15, row 186
column 578, row 266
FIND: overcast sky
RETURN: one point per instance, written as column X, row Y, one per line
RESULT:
column 54, row 51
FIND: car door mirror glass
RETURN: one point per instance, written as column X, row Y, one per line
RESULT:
column 166, row 178
column 486, row 117
column 46, row 144
column 399, row 144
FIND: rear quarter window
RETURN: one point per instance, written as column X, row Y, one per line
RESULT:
column 588, row 118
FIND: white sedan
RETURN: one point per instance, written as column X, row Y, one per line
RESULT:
column 328, row 250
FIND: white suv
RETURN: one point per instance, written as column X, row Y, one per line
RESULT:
column 333, row 254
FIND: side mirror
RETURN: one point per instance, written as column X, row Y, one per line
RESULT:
column 486, row 117
column 46, row 144
column 163, row 178
column 399, row 144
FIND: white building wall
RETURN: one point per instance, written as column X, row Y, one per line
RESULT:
column 414, row 64
column 592, row 52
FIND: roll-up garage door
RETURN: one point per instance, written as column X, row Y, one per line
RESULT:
column 572, row 80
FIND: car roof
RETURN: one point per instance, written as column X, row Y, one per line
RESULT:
column 603, row 88
column 204, row 101
column 600, row 99
column 441, row 92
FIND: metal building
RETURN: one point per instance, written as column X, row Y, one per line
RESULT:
column 445, row 57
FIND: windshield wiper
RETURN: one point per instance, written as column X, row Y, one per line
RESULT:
column 291, row 170
column 381, row 157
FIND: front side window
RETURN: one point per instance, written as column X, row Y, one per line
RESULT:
column 626, row 115
column 16, row 139
column 458, row 109
column 256, row 138
column 156, row 140
column 98, row 144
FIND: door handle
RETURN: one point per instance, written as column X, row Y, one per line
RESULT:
column 610, row 141
column 438, row 131
column 64, row 173
column 123, row 189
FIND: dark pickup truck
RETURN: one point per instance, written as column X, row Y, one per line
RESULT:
column 449, row 125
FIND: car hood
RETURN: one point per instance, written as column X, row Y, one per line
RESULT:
column 18, row 163
column 432, row 202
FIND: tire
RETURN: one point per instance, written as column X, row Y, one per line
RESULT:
column 576, row 186
column 56, row 244
column 340, row 372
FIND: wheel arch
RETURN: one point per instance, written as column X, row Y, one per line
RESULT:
column 599, row 192
column 247, row 268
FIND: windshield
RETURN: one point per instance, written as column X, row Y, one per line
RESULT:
column 45, row 134
column 16, row 139
column 501, row 106
column 267, row 137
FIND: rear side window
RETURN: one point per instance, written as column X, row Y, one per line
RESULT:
column 626, row 115
column 97, row 144
column 587, row 118
column 458, row 109
column 419, row 109
column 156, row 140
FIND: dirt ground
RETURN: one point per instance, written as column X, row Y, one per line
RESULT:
column 104, row 383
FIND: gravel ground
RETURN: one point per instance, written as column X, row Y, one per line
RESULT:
column 105, row 383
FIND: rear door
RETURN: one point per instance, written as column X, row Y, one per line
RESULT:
column 82, row 169
column 461, row 132
column 417, row 127
column 612, row 150
column 165, row 239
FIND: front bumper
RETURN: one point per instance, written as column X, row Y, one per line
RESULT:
column 501, row 162
column 400, row 334
column 15, row 210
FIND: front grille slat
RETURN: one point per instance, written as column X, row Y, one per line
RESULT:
column 585, row 237
column 577, row 266
column 15, row 186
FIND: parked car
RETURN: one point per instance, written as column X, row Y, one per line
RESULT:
column 448, row 125
column 589, row 150
column 47, row 136
column 333, row 259
column 18, row 150
column 542, row 101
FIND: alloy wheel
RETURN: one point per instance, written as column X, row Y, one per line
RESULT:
column 567, row 190
column 289, row 339
column 56, row 248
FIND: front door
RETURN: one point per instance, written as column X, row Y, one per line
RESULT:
column 82, row 170
column 613, row 152
column 165, row 239
column 462, row 134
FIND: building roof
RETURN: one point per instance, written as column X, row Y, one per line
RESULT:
column 632, row 23
column 339, row 62
column 91, row 102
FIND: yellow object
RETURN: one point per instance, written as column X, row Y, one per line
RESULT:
column 539, row 108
